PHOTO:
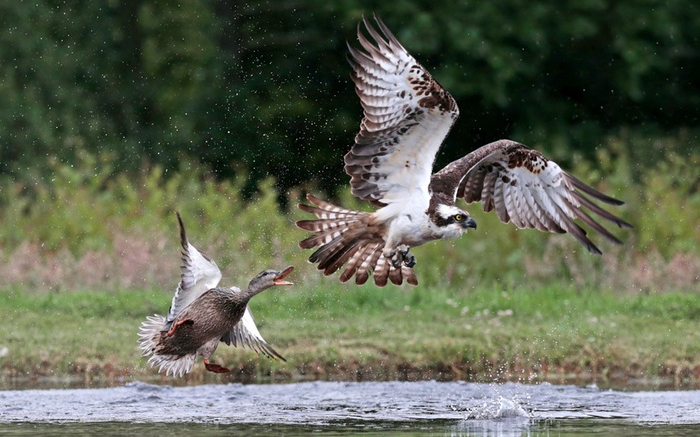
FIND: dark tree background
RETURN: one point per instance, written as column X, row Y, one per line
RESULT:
column 264, row 88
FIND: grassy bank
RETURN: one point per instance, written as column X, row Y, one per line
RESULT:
column 353, row 333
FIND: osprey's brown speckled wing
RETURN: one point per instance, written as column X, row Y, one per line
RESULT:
column 524, row 187
column 407, row 114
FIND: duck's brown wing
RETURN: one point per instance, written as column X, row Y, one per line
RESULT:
column 199, row 273
column 246, row 334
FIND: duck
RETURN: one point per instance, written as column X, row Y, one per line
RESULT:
column 203, row 315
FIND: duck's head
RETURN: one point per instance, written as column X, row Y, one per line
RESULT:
column 270, row 278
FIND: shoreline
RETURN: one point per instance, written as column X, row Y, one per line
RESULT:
column 97, row 376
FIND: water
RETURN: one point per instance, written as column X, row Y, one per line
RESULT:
column 340, row 408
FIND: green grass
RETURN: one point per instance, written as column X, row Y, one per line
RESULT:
column 358, row 333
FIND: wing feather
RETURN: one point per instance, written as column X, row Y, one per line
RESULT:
column 407, row 114
column 198, row 274
column 524, row 187
column 381, row 271
column 487, row 192
column 516, row 210
column 246, row 334
column 369, row 263
column 357, row 261
column 543, row 204
column 395, row 275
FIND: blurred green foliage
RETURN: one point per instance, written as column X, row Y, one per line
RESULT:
column 81, row 209
column 262, row 87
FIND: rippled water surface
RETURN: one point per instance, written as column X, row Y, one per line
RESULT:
column 334, row 408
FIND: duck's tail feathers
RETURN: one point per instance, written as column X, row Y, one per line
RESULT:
column 150, row 334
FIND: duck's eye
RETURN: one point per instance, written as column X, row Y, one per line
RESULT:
column 459, row 217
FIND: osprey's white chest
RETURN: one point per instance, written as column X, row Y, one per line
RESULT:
column 411, row 230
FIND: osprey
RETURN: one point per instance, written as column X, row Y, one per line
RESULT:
column 407, row 115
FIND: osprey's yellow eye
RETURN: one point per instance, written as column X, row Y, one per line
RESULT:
column 459, row 217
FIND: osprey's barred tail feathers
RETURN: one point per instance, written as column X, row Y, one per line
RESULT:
column 345, row 236
column 149, row 336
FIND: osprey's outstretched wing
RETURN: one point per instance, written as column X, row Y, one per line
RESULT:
column 407, row 114
column 524, row 187
column 246, row 334
column 198, row 275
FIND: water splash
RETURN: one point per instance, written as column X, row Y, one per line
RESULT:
column 499, row 408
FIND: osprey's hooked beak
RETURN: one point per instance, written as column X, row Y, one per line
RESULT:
column 471, row 223
column 279, row 279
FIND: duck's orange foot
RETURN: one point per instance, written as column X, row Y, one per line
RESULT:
column 215, row 367
column 181, row 322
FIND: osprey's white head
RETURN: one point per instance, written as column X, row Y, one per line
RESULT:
column 451, row 221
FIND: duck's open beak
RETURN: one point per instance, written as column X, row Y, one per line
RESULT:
column 279, row 279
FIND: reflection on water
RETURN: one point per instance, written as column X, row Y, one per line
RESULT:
column 334, row 408
column 505, row 428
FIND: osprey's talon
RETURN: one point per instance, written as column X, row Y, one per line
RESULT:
column 409, row 260
column 406, row 256
column 401, row 256
column 395, row 257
